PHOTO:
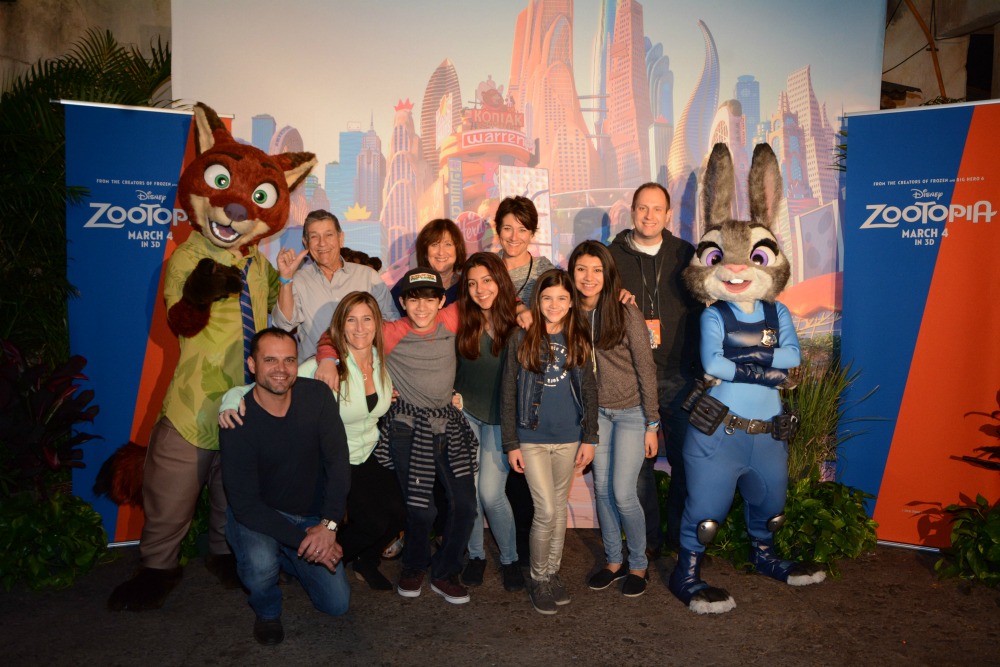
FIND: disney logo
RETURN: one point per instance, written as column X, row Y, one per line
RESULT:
column 926, row 194
column 147, row 195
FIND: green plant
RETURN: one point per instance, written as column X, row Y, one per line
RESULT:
column 39, row 406
column 46, row 543
column 823, row 425
column 825, row 521
column 33, row 192
column 975, row 543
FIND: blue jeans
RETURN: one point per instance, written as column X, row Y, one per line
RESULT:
column 461, row 495
column 491, row 484
column 617, row 461
column 259, row 558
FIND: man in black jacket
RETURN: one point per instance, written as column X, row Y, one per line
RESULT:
column 650, row 260
column 286, row 473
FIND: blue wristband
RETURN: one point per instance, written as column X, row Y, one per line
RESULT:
column 285, row 281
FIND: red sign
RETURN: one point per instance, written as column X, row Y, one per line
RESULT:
column 483, row 138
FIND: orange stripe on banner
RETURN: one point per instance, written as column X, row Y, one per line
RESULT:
column 956, row 365
column 158, row 365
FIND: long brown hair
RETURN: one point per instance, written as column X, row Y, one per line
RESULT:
column 575, row 328
column 609, row 320
column 472, row 319
column 340, row 341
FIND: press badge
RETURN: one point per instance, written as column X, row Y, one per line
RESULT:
column 654, row 333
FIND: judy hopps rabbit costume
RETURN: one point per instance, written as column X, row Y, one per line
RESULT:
column 748, row 343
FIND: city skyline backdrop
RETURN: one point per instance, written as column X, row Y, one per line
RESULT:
column 766, row 38
column 596, row 116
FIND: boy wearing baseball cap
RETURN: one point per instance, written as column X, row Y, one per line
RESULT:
column 424, row 437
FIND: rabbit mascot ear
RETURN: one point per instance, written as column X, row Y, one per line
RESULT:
column 748, row 345
column 216, row 284
column 739, row 261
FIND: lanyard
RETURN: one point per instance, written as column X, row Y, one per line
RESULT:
column 654, row 294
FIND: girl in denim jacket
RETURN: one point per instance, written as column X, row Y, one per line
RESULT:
column 549, row 422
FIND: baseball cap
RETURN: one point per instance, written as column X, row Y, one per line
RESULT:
column 418, row 278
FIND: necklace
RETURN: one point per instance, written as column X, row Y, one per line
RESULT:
column 367, row 368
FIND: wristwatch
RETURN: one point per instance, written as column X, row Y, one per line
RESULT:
column 330, row 525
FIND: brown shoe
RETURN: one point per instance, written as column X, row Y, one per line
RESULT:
column 410, row 583
column 451, row 590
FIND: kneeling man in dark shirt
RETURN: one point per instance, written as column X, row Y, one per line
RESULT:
column 286, row 473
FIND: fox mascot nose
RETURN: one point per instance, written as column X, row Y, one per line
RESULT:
column 236, row 212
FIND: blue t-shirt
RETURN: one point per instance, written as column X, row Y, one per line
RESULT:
column 558, row 414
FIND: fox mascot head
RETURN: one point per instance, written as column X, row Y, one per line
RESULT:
column 235, row 194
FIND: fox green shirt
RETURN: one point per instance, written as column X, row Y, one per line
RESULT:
column 211, row 361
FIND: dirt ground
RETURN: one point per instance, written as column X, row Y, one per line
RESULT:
column 887, row 608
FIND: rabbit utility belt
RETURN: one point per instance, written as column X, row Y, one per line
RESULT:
column 708, row 413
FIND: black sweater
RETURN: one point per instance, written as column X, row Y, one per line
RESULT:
column 676, row 309
column 297, row 464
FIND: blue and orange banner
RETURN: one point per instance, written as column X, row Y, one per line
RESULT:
column 119, row 238
column 921, row 320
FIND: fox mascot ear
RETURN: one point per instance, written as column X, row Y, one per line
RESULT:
column 729, row 247
column 235, row 194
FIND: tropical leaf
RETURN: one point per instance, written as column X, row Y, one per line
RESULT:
column 33, row 193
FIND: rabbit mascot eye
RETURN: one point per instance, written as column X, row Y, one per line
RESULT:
column 739, row 433
column 216, row 285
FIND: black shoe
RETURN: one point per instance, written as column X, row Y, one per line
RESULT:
column 223, row 566
column 268, row 631
column 367, row 571
column 472, row 575
column 513, row 578
column 605, row 578
column 148, row 589
column 634, row 585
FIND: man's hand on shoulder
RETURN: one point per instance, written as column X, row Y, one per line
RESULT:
column 320, row 546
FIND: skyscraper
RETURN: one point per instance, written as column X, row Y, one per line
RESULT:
column 661, row 82
column 629, row 115
column 599, row 72
column 819, row 136
column 661, row 133
column 690, row 141
column 747, row 92
column 341, row 189
column 399, row 217
column 787, row 140
column 371, row 172
column 443, row 81
column 544, row 89
column 261, row 130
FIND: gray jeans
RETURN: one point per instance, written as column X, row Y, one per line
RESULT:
column 549, row 471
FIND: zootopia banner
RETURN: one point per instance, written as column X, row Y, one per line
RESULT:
column 118, row 238
column 920, row 315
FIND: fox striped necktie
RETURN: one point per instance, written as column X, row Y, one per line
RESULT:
column 246, row 311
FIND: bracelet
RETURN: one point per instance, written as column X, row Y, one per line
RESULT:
column 285, row 281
